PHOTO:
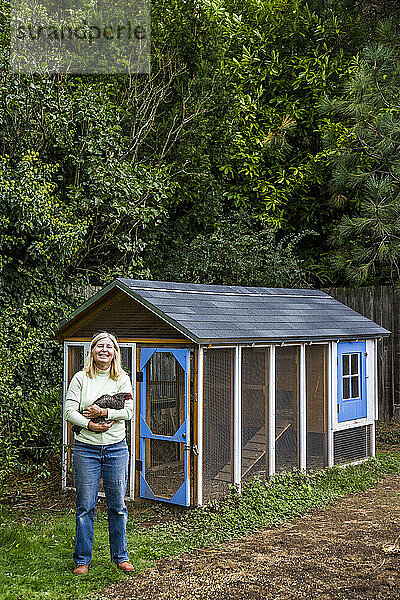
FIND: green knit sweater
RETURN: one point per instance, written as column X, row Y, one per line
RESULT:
column 83, row 391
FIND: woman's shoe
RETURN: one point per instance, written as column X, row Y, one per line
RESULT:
column 81, row 569
column 126, row 566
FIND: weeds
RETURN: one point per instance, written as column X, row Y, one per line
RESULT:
column 388, row 434
column 31, row 546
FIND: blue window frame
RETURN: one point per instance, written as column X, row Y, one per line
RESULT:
column 352, row 384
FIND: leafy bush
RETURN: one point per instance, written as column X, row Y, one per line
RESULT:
column 240, row 251
column 30, row 406
column 388, row 433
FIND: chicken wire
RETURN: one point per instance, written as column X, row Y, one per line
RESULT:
column 217, row 422
column 165, row 402
column 255, row 412
column 165, row 471
column 75, row 364
column 317, row 405
column 287, row 407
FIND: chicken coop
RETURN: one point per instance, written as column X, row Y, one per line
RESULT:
column 231, row 382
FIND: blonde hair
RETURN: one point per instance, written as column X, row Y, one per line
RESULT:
column 90, row 367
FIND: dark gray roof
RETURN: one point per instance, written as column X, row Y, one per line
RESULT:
column 210, row 313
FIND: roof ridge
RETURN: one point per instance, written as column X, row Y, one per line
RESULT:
column 213, row 293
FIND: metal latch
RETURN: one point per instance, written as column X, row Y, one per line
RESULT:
column 139, row 376
column 139, row 465
column 193, row 449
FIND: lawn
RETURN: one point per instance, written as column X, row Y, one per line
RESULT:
column 36, row 558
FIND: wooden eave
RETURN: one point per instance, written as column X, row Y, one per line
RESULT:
column 100, row 300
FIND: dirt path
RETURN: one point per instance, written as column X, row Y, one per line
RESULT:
column 334, row 553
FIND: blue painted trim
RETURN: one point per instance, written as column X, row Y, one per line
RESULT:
column 357, row 408
column 179, row 435
column 182, row 495
column 145, row 430
column 145, row 355
column 145, row 489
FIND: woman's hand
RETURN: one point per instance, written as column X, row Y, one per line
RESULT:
column 93, row 411
column 100, row 427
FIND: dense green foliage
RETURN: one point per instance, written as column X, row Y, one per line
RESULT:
column 210, row 169
column 362, row 136
column 30, row 545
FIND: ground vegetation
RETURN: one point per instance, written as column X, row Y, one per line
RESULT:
column 260, row 150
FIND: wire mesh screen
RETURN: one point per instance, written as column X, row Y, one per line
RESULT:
column 126, row 361
column 165, row 471
column 317, row 403
column 255, row 412
column 75, row 364
column 217, row 422
column 165, row 401
column 287, row 407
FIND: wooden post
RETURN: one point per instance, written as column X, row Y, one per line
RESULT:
column 132, row 425
column 266, row 406
column 200, row 382
column 237, row 418
column 271, row 416
column 303, row 410
column 137, row 421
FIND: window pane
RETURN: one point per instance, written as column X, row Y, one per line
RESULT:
column 346, row 389
column 354, row 364
column 345, row 363
column 355, row 393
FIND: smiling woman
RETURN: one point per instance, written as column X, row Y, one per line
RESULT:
column 100, row 449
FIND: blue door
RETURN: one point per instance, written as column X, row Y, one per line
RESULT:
column 164, row 425
column 352, row 384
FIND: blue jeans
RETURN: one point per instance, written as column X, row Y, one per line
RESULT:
column 90, row 463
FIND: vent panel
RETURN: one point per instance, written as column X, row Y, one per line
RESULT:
column 352, row 444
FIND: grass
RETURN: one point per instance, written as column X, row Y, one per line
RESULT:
column 36, row 563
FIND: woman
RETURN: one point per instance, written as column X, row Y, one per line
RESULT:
column 100, row 450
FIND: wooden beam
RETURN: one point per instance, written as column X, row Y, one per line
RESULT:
column 160, row 342
column 271, row 414
column 200, row 382
column 237, row 417
column 137, row 428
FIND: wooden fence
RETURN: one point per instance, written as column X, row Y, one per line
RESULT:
column 380, row 304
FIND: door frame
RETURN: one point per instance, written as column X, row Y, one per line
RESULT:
column 182, row 435
column 65, row 450
column 358, row 347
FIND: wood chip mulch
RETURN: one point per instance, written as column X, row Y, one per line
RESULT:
column 334, row 553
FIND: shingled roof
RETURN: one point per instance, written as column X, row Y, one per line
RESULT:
column 216, row 313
